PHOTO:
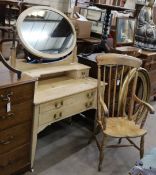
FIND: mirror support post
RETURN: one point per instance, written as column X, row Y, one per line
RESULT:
column 13, row 49
column 75, row 54
column 2, row 59
column 13, row 57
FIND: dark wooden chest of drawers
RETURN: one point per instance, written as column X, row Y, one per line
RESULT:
column 16, row 116
column 149, row 63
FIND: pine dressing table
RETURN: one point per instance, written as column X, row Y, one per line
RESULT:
column 64, row 87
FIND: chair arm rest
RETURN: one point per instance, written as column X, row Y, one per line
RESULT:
column 104, row 106
column 149, row 107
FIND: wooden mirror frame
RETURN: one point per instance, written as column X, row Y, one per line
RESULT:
column 34, row 51
column 116, row 43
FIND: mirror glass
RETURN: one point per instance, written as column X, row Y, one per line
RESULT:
column 46, row 33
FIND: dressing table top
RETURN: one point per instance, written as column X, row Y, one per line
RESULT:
column 42, row 70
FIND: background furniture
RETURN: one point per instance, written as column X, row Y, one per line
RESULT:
column 87, row 45
column 10, row 10
column 102, row 18
column 149, row 63
column 16, row 117
column 107, row 23
column 110, row 2
column 121, row 113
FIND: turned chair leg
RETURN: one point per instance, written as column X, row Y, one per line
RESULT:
column 93, row 134
column 142, row 147
column 94, row 130
column 120, row 140
column 101, row 156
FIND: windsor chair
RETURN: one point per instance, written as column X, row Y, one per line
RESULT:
column 122, row 107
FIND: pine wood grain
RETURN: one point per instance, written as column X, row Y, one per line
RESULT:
column 122, row 127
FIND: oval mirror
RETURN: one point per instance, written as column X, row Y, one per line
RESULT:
column 46, row 32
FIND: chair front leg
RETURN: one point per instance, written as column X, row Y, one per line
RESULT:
column 142, row 147
column 101, row 156
column 94, row 132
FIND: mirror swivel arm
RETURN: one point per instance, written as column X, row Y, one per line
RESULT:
column 9, row 67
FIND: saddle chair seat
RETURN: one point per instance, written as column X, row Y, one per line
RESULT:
column 121, row 127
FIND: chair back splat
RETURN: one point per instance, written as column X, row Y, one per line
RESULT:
column 118, row 73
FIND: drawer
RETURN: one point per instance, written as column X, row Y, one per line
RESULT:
column 79, row 74
column 14, row 137
column 17, row 94
column 153, row 64
column 71, row 105
column 149, row 64
column 152, row 76
column 15, row 160
column 19, row 114
column 60, row 103
column 153, row 89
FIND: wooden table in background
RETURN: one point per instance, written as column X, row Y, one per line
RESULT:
column 86, row 45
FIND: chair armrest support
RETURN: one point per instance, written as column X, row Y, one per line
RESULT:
column 104, row 106
column 149, row 107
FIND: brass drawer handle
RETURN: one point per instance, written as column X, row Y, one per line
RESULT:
column 6, row 97
column 89, row 104
column 58, row 104
column 6, row 142
column 83, row 74
column 90, row 95
column 9, row 116
column 57, row 116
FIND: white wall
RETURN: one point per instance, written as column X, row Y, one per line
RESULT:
column 62, row 5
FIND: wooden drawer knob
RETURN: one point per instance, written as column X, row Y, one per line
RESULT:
column 90, row 95
column 57, row 116
column 58, row 104
column 8, row 116
column 89, row 104
column 8, row 141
